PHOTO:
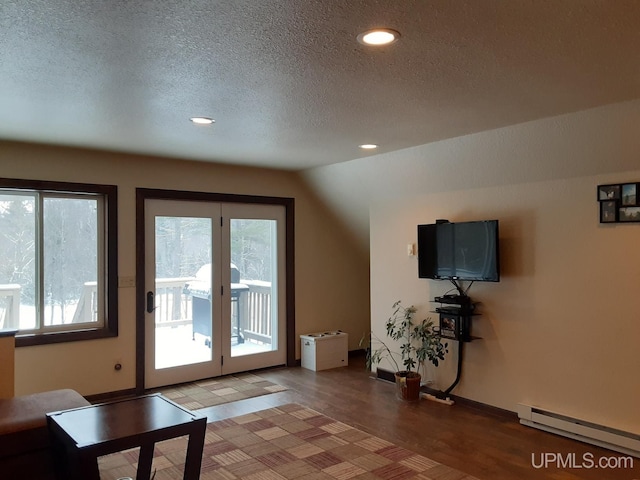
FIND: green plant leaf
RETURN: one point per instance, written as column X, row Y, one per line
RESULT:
column 420, row 341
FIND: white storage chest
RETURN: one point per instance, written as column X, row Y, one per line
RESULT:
column 324, row 350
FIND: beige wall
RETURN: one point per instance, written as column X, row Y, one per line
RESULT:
column 331, row 271
column 561, row 329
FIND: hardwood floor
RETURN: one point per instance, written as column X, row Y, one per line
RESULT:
column 488, row 445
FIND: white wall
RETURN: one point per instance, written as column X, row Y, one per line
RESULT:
column 561, row 329
column 331, row 271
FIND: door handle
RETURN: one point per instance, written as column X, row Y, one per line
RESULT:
column 150, row 303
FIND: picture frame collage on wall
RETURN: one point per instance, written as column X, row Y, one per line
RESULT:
column 619, row 202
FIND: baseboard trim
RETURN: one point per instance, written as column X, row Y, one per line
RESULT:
column 109, row 396
column 483, row 407
column 389, row 376
column 382, row 374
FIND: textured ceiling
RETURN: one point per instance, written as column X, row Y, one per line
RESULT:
column 286, row 81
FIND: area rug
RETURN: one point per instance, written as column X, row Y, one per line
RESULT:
column 216, row 391
column 287, row 442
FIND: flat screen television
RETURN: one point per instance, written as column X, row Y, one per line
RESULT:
column 459, row 251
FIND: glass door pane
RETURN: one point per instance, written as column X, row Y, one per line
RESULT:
column 182, row 285
column 215, row 289
column 254, row 284
column 183, row 291
column 254, row 313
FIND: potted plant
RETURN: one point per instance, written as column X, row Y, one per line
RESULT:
column 420, row 341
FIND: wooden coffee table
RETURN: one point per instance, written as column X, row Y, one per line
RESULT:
column 81, row 435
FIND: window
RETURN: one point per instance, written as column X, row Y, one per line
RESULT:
column 58, row 261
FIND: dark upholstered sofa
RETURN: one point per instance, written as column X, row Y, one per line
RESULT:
column 25, row 446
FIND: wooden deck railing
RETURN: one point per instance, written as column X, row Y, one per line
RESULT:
column 173, row 306
column 10, row 306
column 254, row 308
column 87, row 309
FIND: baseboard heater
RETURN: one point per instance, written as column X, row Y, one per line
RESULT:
column 606, row 437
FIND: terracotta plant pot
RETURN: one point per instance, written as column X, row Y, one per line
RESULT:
column 408, row 386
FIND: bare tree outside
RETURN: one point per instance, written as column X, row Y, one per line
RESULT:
column 251, row 248
column 69, row 252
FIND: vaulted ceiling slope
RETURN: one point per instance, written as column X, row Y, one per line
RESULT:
column 286, row 81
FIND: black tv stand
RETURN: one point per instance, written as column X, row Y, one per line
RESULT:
column 456, row 312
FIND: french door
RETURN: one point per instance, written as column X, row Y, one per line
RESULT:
column 214, row 289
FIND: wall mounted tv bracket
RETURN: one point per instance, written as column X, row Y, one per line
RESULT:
column 455, row 322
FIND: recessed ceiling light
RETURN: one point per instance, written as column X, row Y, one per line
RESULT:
column 378, row 36
column 368, row 146
column 202, row 120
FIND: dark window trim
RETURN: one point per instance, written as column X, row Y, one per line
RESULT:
column 143, row 194
column 110, row 328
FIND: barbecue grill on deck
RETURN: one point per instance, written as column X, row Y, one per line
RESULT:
column 200, row 291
